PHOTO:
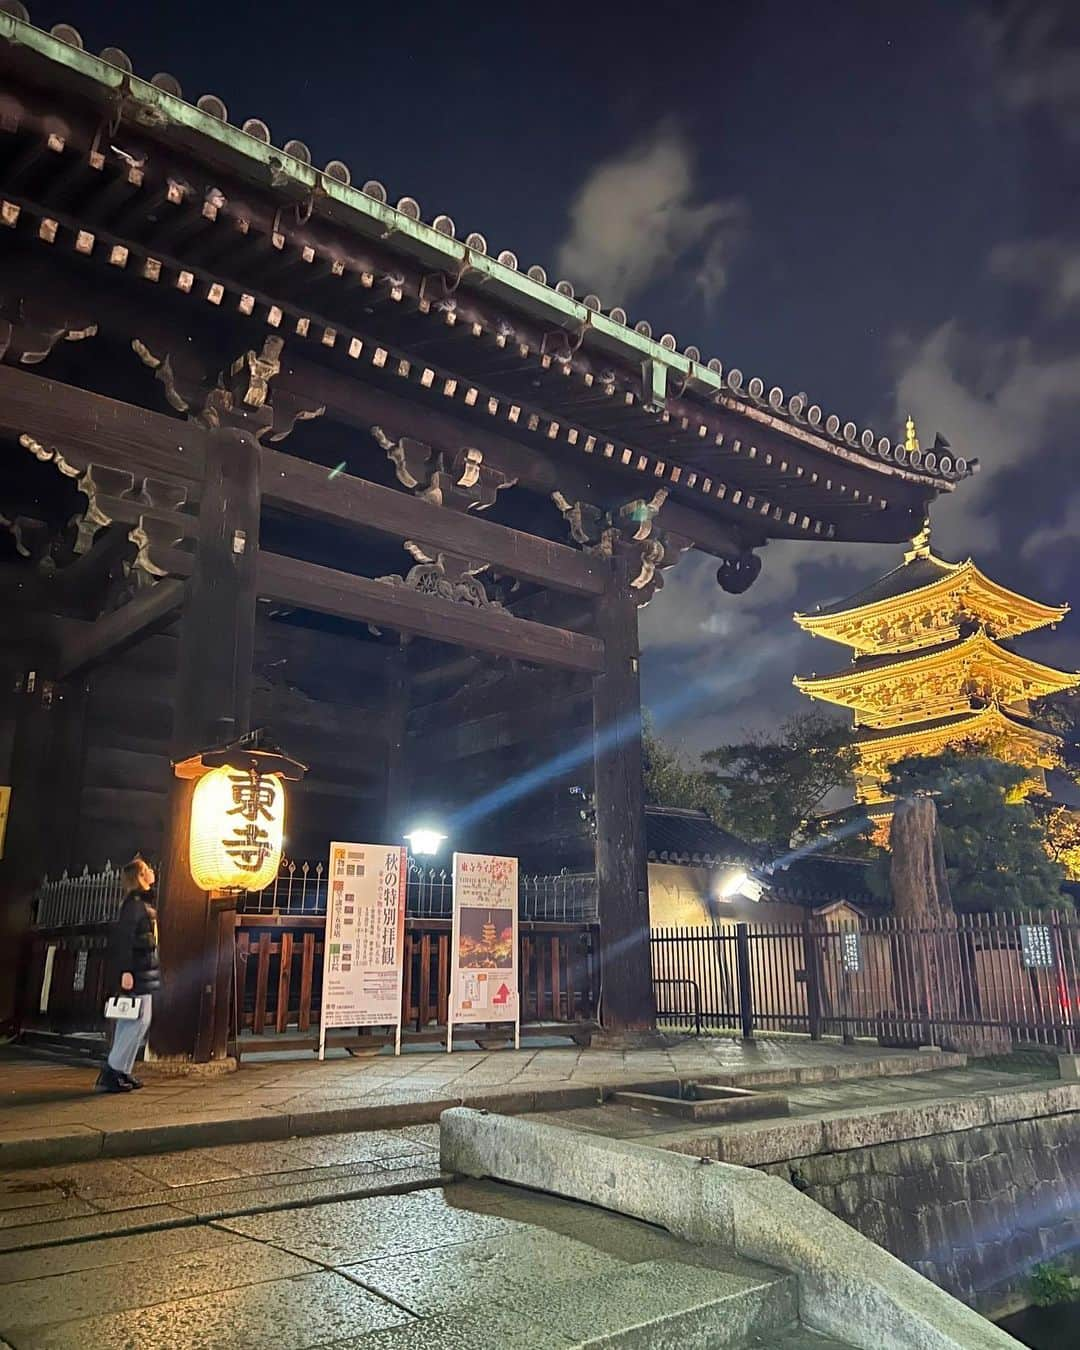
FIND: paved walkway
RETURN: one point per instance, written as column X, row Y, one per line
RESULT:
column 353, row 1242
column 49, row 1113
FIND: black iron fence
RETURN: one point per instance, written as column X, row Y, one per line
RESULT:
column 984, row 981
column 299, row 890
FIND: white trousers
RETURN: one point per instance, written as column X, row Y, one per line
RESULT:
column 128, row 1037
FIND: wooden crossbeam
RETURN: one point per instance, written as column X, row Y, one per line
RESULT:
column 296, row 485
column 84, row 643
column 328, row 591
column 88, row 427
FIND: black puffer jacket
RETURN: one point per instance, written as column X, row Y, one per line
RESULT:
column 133, row 945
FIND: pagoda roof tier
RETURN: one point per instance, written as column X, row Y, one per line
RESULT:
column 1005, row 735
column 360, row 284
column 973, row 667
column 957, row 726
column 927, row 600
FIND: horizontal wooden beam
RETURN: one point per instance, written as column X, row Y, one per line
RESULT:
column 325, row 590
column 361, row 405
column 86, row 427
column 297, row 485
column 91, row 642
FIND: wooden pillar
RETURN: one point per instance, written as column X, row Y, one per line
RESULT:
column 628, row 1004
column 213, row 706
column 29, row 708
column 397, row 759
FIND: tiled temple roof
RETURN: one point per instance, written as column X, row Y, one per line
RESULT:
column 607, row 328
column 674, row 835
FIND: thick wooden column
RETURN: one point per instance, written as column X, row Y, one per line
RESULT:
column 628, row 1005
column 27, row 715
column 213, row 706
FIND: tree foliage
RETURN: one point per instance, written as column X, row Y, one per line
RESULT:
column 995, row 846
column 1061, row 836
column 769, row 788
column 1060, row 713
column 670, row 782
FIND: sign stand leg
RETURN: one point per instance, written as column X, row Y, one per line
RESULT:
column 322, row 1040
column 517, row 1033
column 449, row 1037
column 397, row 1039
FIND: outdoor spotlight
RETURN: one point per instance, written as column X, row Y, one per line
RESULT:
column 741, row 884
column 424, row 841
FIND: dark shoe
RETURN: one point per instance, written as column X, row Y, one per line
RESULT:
column 111, row 1081
column 130, row 1082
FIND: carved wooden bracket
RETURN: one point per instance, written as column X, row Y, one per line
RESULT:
column 237, row 397
column 630, row 531
column 31, row 327
column 460, row 480
column 449, row 576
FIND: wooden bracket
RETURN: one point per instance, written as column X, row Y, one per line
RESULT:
column 460, row 480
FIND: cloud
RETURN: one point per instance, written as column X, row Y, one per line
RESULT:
column 1050, row 267
column 635, row 219
column 1050, row 538
column 995, row 401
column 1034, row 48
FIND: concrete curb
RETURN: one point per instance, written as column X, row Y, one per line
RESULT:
column 82, row 1143
column 849, row 1288
column 760, row 1142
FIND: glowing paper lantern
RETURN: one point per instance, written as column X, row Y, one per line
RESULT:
column 237, row 829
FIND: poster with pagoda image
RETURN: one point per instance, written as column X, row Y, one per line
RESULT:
column 484, row 943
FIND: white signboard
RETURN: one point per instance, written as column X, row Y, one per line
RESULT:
column 484, row 944
column 364, row 945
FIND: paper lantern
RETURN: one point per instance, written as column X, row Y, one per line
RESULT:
column 237, row 829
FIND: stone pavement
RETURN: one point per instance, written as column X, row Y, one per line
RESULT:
column 49, row 1113
column 354, row 1242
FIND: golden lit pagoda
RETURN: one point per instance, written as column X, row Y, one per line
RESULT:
column 929, row 669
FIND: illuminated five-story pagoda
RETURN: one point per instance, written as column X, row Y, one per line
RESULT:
column 929, row 670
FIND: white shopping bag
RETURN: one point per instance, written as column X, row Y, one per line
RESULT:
column 122, row 1009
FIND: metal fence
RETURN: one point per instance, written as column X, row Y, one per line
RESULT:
column 300, row 889
column 86, row 898
column 984, row 981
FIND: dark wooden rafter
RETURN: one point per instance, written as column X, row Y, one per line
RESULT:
column 325, row 590
column 307, row 489
column 334, row 261
column 753, row 508
column 82, row 645
column 84, row 429
column 303, row 389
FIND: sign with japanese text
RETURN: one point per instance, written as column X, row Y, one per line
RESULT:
column 1037, row 946
column 364, row 945
column 484, row 945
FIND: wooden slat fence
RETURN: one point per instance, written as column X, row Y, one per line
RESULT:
column 279, row 974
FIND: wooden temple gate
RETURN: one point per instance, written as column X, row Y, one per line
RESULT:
column 275, row 453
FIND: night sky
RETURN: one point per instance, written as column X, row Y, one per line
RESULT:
column 874, row 203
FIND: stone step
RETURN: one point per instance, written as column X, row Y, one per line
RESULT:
column 796, row 1338
column 666, row 1305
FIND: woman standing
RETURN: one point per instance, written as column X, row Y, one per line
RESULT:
column 132, row 968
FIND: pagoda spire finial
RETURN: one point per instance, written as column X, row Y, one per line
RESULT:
column 920, row 543
column 911, row 436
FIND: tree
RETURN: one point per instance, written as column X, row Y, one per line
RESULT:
column 995, row 845
column 1061, row 831
column 771, row 788
column 1060, row 713
column 669, row 782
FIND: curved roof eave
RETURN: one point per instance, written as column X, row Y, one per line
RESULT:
column 158, row 110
